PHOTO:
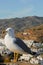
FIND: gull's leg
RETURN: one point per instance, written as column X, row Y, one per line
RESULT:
column 15, row 57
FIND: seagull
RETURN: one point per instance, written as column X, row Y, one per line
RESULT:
column 16, row 45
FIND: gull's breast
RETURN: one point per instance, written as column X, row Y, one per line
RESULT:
column 11, row 45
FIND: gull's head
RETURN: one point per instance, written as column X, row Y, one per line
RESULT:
column 10, row 31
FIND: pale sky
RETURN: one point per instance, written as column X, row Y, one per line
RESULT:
column 20, row 8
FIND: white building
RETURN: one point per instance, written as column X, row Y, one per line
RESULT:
column 24, row 33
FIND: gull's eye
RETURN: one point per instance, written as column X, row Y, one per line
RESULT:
column 9, row 29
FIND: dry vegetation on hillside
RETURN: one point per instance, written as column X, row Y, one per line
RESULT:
column 35, row 33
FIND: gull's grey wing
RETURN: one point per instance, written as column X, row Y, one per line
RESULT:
column 22, row 45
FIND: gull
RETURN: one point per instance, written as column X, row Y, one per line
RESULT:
column 16, row 45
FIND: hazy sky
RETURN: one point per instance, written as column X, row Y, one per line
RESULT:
column 20, row 8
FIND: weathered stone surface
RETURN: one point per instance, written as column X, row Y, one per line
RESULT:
column 34, row 61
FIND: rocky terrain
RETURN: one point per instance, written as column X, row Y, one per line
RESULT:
column 25, row 59
column 36, row 47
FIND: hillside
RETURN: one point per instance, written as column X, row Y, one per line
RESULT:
column 35, row 33
column 19, row 24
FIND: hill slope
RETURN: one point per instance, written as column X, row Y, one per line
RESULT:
column 35, row 33
column 21, row 23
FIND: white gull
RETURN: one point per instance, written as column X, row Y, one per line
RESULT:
column 15, row 44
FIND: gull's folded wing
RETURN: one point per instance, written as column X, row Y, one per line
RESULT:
column 24, row 47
